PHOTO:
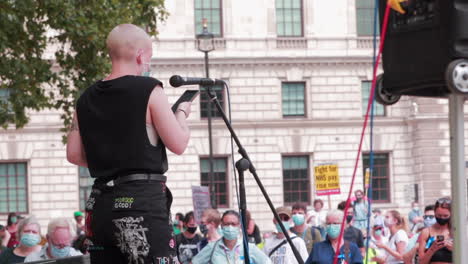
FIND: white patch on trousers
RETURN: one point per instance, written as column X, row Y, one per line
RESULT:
column 132, row 239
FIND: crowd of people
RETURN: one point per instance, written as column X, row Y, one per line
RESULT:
column 23, row 241
column 423, row 237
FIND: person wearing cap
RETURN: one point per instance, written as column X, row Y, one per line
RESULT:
column 79, row 223
column 375, row 254
column 277, row 248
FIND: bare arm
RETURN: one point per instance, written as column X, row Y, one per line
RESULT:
column 172, row 128
column 75, row 150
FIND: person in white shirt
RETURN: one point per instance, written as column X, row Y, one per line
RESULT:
column 277, row 247
column 317, row 216
column 398, row 239
column 60, row 234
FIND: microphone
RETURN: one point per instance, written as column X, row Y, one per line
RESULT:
column 177, row 80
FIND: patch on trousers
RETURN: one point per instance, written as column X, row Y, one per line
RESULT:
column 123, row 202
column 131, row 238
column 90, row 203
column 172, row 243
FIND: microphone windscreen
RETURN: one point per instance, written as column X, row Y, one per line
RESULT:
column 176, row 81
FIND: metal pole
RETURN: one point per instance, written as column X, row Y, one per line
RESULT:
column 210, row 141
column 457, row 163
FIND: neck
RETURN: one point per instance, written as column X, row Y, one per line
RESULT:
column 120, row 69
column 334, row 242
column 393, row 229
column 280, row 235
column 188, row 234
column 213, row 235
column 230, row 243
column 300, row 228
column 23, row 250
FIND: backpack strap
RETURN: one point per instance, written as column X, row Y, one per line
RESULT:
column 212, row 251
column 280, row 245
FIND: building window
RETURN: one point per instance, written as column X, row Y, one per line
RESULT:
column 204, row 99
column 211, row 10
column 380, row 176
column 296, row 183
column 365, row 18
column 379, row 109
column 220, row 179
column 13, row 188
column 289, row 18
column 86, row 182
column 5, row 103
column 293, row 94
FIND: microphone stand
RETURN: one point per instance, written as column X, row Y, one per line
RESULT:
column 242, row 163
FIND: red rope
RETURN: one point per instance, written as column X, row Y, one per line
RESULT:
column 369, row 104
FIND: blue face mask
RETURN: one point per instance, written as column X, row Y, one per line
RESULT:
column 13, row 219
column 378, row 232
column 30, row 240
column 333, row 230
column 429, row 221
column 286, row 226
column 60, row 252
column 230, row 232
column 298, row 219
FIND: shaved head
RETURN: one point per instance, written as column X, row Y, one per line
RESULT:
column 126, row 41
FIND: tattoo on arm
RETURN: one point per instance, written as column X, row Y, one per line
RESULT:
column 74, row 126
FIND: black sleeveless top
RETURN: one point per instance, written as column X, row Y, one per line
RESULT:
column 112, row 121
column 441, row 255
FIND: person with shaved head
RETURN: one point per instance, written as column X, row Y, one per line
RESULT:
column 120, row 131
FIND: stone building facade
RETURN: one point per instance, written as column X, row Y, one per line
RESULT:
column 294, row 98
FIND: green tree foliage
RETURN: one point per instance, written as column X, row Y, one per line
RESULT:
column 59, row 44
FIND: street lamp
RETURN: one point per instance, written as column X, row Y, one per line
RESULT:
column 205, row 41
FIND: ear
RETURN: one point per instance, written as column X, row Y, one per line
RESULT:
column 139, row 57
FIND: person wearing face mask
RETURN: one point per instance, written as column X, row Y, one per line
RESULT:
column 398, row 241
column 29, row 232
column 229, row 249
column 121, row 128
column 209, row 226
column 436, row 241
column 187, row 243
column 324, row 252
column 60, row 234
column 360, row 207
column 178, row 223
column 415, row 216
column 310, row 235
column 352, row 233
column 277, row 248
column 376, row 255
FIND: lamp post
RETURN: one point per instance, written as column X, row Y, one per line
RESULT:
column 206, row 44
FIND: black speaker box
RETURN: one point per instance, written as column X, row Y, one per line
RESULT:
column 420, row 45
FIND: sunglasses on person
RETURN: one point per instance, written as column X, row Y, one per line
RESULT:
column 428, row 217
column 443, row 202
column 378, row 228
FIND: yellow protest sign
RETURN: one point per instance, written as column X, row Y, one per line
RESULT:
column 327, row 180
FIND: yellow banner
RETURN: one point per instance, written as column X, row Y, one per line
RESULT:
column 327, row 180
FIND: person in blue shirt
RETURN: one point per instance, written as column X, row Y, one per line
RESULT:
column 324, row 252
column 229, row 249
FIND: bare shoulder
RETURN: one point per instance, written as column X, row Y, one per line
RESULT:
column 156, row 94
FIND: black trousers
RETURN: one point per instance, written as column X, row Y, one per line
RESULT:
column 131, row 223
